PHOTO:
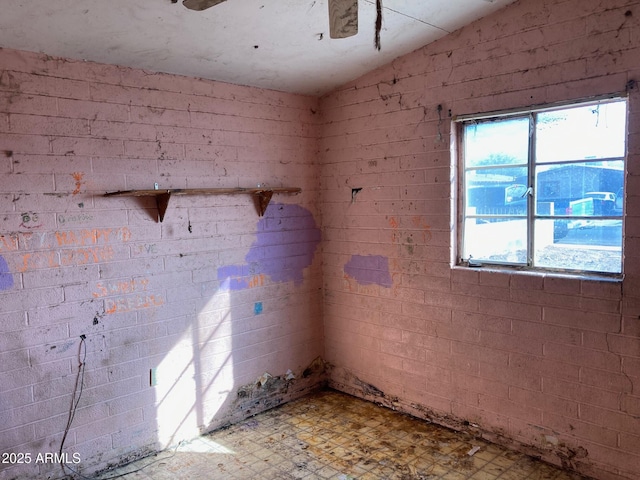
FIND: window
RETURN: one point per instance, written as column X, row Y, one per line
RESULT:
column 544, row 188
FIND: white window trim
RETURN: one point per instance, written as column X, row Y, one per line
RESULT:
column 458, row 192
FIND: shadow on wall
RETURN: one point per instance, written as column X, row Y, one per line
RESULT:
column 235, row 330
column 239, row 339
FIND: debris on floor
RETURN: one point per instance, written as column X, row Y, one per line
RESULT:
column 331, row 435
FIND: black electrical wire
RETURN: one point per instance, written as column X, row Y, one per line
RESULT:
column 77, row 389
column 82, row 356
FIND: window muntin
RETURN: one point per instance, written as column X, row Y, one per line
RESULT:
column 544, row 188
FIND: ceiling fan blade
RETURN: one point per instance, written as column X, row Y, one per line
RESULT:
column 201, row 4
column 343, row 18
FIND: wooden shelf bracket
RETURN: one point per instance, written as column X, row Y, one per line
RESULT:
column 262, row 196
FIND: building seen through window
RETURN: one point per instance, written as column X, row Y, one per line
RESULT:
column 544, row 189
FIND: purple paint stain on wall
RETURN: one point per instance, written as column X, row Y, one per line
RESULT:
column 6, row 279
column 369, row 270
column 234, row 277
column 285, row 245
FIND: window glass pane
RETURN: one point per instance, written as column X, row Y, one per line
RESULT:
column 577, row 168
column 579, row 189
column 499, row 142
column 595, row 246
column 496, row 191
column 586, row 132
column 502, row 240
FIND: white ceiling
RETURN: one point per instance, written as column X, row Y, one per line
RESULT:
column 277, row 44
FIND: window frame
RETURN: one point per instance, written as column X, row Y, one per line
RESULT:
column 460, row 187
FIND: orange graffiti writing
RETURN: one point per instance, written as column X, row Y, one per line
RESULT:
column 78, row 177
column 353, row 286
column 82, row 256
column 39, row 260
column 120, row 287
column 419, row 222
column 256, row 281
column 128, row 304
column 92, row 237
column 8, row 243
column 95, row 242
column 65, row 258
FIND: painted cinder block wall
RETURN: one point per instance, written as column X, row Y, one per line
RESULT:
column 546, row 364
column 200, row 305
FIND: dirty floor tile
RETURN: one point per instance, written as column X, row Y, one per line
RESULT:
column 330, row 435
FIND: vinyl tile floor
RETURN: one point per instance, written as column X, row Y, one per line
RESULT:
column 330, row 435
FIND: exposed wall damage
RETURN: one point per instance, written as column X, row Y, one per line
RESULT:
column 549, row 447
column 270, row 391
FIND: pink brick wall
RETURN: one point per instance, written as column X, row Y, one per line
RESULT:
column 548, row 365
column 210, row 299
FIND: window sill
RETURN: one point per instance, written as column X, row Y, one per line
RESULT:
column 519, row 270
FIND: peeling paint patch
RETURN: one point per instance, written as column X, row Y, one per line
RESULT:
column 6, row 278
column 270, row 391
column 285, row 245
column 369, row 389
column 317, row 367
column 569, row 456
column 369, row 270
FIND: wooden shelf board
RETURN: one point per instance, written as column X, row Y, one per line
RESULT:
column 262, row 196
